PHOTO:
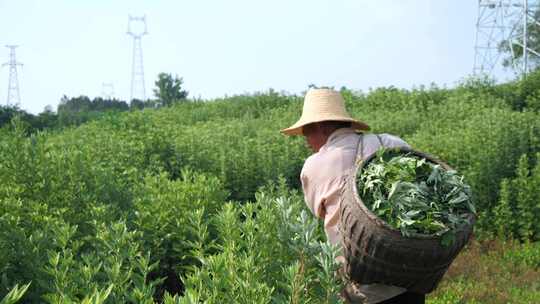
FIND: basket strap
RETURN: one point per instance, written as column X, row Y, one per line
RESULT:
column 359, row 149
column 380, row 140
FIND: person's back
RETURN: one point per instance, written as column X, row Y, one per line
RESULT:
column 331, row 134
column 323, row 178
column 323, row 174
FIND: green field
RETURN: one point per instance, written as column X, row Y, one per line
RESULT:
column 200, row 201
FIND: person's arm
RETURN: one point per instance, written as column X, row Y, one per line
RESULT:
column 392, row 141
column 312, row 197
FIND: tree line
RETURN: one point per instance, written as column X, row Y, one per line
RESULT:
column 73, row 111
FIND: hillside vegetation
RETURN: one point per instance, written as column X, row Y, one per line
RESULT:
column 199, row 201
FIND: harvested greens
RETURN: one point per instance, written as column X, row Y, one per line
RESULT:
column 415, row 195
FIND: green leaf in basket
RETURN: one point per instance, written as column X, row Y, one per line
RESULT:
column 414, row 195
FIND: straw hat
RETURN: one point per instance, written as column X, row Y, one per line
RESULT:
column 323, row 105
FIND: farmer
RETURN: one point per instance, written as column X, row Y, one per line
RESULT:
column 331, row 133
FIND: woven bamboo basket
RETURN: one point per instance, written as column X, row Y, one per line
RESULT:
column 378, row 253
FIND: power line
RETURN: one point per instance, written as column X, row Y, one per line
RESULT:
column 137, row 71
column 107, row 90
column 13, row 95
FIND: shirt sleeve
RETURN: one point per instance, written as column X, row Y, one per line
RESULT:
column 391, row 141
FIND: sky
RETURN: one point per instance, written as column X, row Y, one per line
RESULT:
column 223, row 48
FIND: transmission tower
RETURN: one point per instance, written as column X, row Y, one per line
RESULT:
column 137, row 71
column 504, row 22
column 13, row 95
column 107, row 90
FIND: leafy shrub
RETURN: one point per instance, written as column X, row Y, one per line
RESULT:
column 263, row 257
column 173, row 216
column 123, row 207
column 517, row 209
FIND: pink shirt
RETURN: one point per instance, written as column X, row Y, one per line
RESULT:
column 323, row 177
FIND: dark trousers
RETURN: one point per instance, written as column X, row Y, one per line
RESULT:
column 406, row 298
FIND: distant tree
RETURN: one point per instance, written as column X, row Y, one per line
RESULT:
column 46, row 119
column 75, row 104
column 533, row 42
column 78, row 110
column 151, row 103
column 7, row 113
column 31, row 123
column 100, row 104
column 169, row 90
column 137, row 104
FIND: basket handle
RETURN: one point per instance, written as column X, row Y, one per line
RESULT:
column 360, row 148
